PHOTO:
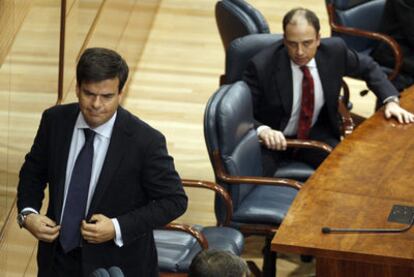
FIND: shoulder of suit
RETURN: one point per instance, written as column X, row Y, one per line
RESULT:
column 62, row 108
column 137, row 126
column 266, row 53
column 333, row 43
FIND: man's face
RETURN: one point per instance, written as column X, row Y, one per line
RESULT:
column 301, row 41
column 98, row 101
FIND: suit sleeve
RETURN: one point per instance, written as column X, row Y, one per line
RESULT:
column 164, row 190
column 33, row 174
column 364, row 67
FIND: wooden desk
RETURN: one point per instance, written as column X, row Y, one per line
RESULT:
column 356, row 187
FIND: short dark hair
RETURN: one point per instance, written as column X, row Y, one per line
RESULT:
column 99, row 64
column 212, row 263
column 309, row 15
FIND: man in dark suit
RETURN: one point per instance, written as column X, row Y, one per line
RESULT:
column 276, row 77
column 131, row 186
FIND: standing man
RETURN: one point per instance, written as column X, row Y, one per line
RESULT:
column 295, row 87
column 110, row 179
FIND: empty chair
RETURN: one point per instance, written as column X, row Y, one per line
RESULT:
column 237, row 18
column 177, row 244
column 358, row 23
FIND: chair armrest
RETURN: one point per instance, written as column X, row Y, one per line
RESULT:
column 300, row 143
column 395, row 47
column 347, row 121
column 201, row 239
column 254, row 180
column 307, row 143
column 217, row 189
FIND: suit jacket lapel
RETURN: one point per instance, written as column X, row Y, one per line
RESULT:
column 116, row 149
column 63, row 141
column 282, row 79
column 324, row 70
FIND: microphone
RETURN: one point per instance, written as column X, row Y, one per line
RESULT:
column 329, row 230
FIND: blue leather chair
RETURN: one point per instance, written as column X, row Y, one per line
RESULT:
column 358, row 23
column 237, row 18
column 259, row 204
column 177, row 244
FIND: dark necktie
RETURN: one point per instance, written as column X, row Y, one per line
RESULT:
column 307, row 104
column 77, row 195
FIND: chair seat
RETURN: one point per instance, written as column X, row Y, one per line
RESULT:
column 265, row 205
column 177, row 249
column 294, row 170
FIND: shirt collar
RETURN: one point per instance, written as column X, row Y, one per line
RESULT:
column 104, row 130
column 310, row 64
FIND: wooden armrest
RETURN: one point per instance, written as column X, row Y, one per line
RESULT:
column 254, row 180
column 347, row 122
column 395, row 47
column 307, row 143
column 258, row 229
column 300, row 143
column 201, row 239
column 216, row 188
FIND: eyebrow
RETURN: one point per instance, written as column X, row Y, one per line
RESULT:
column 103, row 94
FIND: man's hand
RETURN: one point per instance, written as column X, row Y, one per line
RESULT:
column 102, row 229
column 393, row 109
column 42, row 227
column 272, row 139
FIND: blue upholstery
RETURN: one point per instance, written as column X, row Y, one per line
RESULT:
column 241, row 50
column 240, row 151
column 177, row 249
column 265, row 205
column 364, row 15
column 237, row 18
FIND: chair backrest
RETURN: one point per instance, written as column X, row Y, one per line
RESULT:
column 360, row 14
column 237, row 18
column 241, row 50
column 229, row 130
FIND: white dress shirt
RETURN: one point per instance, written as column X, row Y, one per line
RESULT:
column 100, row 146
column 297, row 77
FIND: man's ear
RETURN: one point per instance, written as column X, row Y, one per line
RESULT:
column 318, row 38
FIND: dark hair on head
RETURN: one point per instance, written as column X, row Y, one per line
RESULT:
column 213, row 263
column 309, row 15
column 99, row 64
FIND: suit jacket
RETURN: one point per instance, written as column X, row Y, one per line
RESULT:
column 138, row 185
column 269, row 77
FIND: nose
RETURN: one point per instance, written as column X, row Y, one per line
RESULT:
column 299, row 50
column 96, row 102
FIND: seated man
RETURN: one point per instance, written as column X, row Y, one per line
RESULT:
column 295, row 87
column 212, row 263
column 398, row 22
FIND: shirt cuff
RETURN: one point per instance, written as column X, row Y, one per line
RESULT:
column 261, row 128
column 389, row 99
column 118, row 236
column 28, row 209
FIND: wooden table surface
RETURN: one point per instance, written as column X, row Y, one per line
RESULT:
column 356, row 187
